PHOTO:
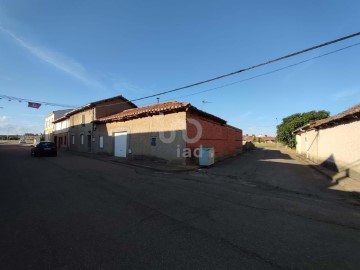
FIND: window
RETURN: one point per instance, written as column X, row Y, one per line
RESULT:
column 47, row 144
column 153, row 141
column 101, row 141
column 73, row 139
column 65, row 139
column 82, row 138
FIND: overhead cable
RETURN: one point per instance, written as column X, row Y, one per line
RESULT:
column 10, row 98
column 251, row 67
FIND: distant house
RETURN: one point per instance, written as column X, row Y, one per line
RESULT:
column 61, row 132
column 49, row 125
column 259, row 138
column 36, row 140
column 267, row 139
column 333, row 142
column 173, row 131
column 249, row 139
column 81, row 127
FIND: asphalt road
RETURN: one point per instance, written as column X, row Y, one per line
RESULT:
column 73, row 212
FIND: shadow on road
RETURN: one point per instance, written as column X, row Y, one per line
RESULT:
column 273, row 168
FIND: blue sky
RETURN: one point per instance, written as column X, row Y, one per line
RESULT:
column 74, row 52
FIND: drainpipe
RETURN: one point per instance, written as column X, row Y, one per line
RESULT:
column 92, row 130
column 317, row 145
column 306, row 145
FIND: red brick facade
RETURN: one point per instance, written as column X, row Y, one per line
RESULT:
column 226, row 140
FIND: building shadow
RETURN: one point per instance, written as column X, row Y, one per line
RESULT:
column 330, row 163
column 274, row 169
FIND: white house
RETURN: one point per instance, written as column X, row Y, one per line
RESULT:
column 61, row 132
column 333, row 142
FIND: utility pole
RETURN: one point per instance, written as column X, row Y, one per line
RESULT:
column 277, row 123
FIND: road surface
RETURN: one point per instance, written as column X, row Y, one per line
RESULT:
column 73, row 212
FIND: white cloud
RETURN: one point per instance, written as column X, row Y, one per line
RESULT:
column 239, row 119
column 244, row 116
column 9, row 125
column 57, row 60
column 3, row 118
column 120, row 86
column 6, row 128
column 345, row 94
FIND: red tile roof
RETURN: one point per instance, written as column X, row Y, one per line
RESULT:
column 349, row 113
column 248, row 138
column 268, row 138
column 164, row 107
column 264, row 138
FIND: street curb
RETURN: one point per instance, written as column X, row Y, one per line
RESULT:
column 153, row 168
column 125, row 162
column 322, row 170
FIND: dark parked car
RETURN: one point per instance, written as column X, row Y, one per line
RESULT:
column 44, row 149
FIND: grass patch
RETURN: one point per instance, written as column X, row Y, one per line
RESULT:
column 269, row 145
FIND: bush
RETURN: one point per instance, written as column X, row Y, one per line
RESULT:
column 292, row 122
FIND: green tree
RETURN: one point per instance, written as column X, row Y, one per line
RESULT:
column 292, row 122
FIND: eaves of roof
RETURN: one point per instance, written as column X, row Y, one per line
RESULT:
column 347, row 116
column 165, row 107
column 60, row 119
column 155, row 109
column 96, row 103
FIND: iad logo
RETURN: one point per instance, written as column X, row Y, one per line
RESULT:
column 198, row 133
column 187, row 152
column 171, row 136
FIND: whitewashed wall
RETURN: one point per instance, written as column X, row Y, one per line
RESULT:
column 339, row 145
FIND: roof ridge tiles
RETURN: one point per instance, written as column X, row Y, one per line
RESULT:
column 166, row 106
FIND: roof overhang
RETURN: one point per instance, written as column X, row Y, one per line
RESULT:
column 99, row 102
column 155, row 109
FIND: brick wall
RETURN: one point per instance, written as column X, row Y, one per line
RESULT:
column 111, row 107
column 226, row 140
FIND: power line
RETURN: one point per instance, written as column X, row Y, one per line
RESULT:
column 219, row 77
column 252, row 67
column 256, row 76
column 10, row 98
column 266, row 73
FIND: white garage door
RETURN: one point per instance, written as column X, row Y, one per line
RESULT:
column 120, row 144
